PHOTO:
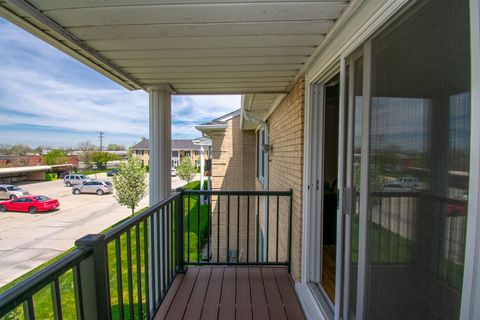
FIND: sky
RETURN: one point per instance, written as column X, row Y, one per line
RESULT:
column 49, row 98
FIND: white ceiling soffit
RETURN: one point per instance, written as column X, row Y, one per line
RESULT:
column 197, row 46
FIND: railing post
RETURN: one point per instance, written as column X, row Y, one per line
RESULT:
column 179, row 230
column 93, row 275
column 289, row 244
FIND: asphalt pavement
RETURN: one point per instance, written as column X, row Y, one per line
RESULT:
column 28, row 240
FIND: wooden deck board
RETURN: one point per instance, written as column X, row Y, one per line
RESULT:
column 212, row 299
column 259, row 301
column 227, row 299
column 167, row 302
column 274, row 300
column 290, row 301
column 243, row 300
column 229, row 292
column 195, row 304
column 179, row 304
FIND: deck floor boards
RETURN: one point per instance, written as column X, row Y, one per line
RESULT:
column 229, row 292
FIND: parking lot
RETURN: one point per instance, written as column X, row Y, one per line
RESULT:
column 28, row 240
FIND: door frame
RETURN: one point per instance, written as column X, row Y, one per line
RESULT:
column 319, row 74
column 471, row 274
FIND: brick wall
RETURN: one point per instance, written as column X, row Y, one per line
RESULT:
column 233, row 164
column 285, row 133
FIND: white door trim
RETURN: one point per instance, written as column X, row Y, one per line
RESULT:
column 470, row 308
column 364, row 169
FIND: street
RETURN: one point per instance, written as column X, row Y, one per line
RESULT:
column 28, row 240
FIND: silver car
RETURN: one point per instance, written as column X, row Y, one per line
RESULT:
column 99, row 187
column 75, row 179
column 9, row 191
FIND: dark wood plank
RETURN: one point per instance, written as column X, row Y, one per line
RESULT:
column 259, row 301
column 328, row 271
column 177, row 309
column 227, row 298
column 195, row 304
column 288, row 295
column 212, row 299
column 243, row 308
column 274, row 300
column 167, row 301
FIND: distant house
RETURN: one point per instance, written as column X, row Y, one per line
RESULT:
column 233, row 152
column 181, row 148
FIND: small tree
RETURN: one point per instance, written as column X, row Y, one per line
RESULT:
column 186, row 170
column 55, row 156
column 101, row 158
column 115, row 147
column 85, row 156
column 129, row 183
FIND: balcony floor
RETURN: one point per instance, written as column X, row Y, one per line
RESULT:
column 229, row 292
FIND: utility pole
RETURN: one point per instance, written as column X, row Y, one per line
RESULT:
column 101, row 135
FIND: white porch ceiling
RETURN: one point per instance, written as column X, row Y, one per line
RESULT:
column 214, row 46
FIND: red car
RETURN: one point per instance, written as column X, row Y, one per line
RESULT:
column 32, row 204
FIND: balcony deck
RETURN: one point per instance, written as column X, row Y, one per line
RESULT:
column 231, row 292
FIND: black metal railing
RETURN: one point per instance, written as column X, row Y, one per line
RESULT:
column 238, row 227
column 126, row 272
column 18, row 303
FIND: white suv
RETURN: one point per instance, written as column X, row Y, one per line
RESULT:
column 94, row 186
column 74, row 179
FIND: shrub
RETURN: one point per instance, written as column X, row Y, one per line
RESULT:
column 51, row 176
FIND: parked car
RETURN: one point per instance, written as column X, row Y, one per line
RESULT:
column 112, row 172
column 174, row 172
column 9, row 191
column 75, row 179
column 99, row 187
column 32, row 204
column 407, row 182
column 396, row 187
column 458, row 206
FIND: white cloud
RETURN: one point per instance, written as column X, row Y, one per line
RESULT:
column 41, row 86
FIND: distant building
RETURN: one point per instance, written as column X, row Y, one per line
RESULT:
column 233, row 153
column 30, row 160
column 181, row 148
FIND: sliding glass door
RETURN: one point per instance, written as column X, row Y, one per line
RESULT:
column 408, row 167
column 391, row 170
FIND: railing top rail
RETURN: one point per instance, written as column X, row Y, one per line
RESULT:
column 22, row 291
column 418, row 194
column 386, row 194
column 127, row 224
column 237, row 192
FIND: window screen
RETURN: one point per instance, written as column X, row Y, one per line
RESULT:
column 419, row 164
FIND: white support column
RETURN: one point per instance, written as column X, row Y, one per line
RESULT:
column 202, row 170
column 159, row 176
column 160, row 122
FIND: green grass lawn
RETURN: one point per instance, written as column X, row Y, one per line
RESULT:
column 42, row 299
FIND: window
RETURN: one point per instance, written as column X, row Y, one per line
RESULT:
column 261, row 156
column 42, row 198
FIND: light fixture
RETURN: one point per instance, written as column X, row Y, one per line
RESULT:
column 267, row 147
